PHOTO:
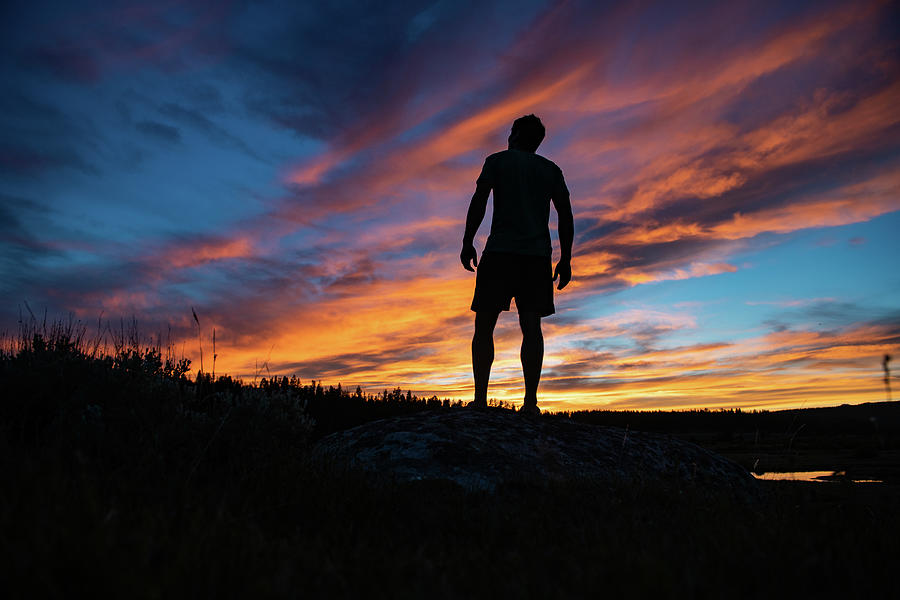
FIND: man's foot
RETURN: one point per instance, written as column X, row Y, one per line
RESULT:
column 477, row 404
column 529, row 409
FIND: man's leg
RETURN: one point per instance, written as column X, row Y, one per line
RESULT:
column 483, row 352
column 532, row 354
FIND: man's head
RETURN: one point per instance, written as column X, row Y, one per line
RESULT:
column 527, row 133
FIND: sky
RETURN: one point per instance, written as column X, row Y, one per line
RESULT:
column 299, row 173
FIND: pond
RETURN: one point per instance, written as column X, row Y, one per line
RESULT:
column 818, row 476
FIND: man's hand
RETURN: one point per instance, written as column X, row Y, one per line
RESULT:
column 468, row 254
column 564, row 272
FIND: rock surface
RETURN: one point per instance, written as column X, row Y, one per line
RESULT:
column 481, row 449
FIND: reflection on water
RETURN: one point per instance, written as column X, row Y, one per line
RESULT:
column 821, row 476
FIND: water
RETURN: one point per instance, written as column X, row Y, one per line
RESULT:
column 817, row 476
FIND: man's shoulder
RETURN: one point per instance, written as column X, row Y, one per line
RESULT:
column 549, row 163
column 518, row 154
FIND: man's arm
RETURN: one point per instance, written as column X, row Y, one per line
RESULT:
column 475, row 216
column 566, row 228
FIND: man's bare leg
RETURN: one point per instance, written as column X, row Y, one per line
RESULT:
column 483, row 353
column 532, row 354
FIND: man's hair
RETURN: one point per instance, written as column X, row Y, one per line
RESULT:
column 530, row 130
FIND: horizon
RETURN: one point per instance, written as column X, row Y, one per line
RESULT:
column 300, row 178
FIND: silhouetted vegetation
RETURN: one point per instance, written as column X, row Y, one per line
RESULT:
column 60, row 378
column 879, row 416
column 861, row 440
column 124, row 477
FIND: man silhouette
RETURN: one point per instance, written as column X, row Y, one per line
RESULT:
column 516, row 261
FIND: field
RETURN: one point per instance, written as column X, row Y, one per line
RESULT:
column 122, row 477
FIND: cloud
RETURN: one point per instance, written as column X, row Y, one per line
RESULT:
column 202, row 123
column 161, row 131
column 69, row 63
column 25, row 161
column 770, row 371
column 37, row 138
column 98, row 40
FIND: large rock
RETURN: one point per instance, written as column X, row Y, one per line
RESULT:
column 480, row 449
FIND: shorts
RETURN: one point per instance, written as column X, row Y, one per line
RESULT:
column 501, row 276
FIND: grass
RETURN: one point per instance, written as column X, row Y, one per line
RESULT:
column 122, row 477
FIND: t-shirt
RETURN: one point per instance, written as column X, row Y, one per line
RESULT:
column 523, row 185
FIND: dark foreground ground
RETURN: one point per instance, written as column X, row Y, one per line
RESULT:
column 120, row 478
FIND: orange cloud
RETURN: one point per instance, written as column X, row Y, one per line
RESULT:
column 196, row 254
column 636, row 276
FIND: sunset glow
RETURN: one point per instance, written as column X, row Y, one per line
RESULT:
column 301, row 178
